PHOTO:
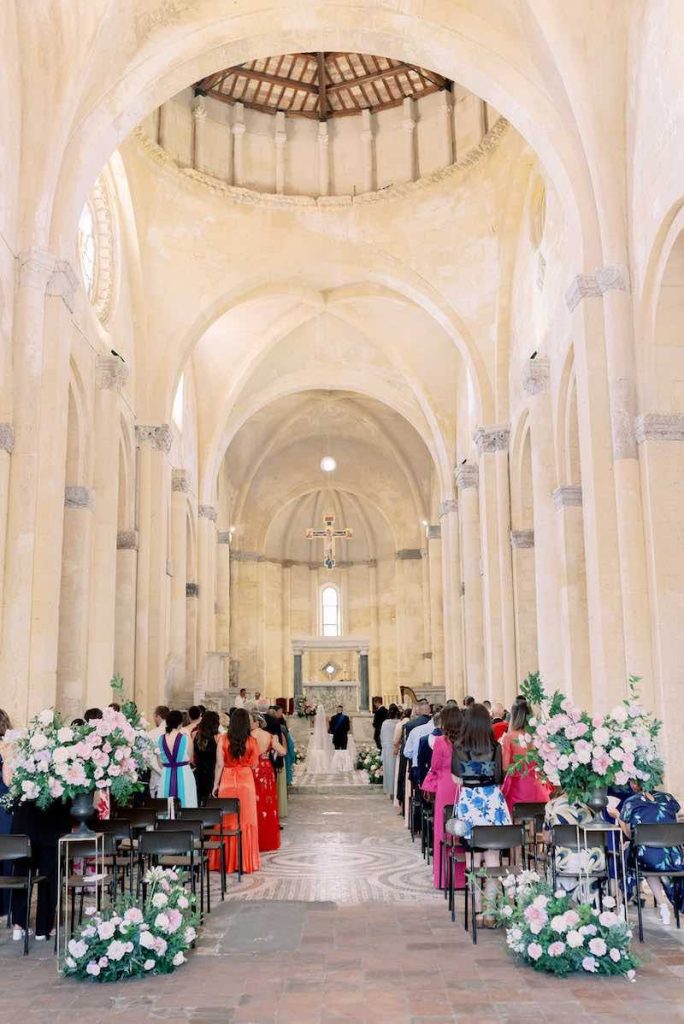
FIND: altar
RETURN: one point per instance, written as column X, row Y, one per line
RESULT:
column 332, row 671
column 332, row 694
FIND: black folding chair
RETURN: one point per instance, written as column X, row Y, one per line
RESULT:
column 577, row 840
column 229, row 805
column 502, row 838
column 211, row 818
column 453, row 854
column 200, row 860
column 120, row 831
column 532, row 816
column 15, row 849
column 82, row 881
column 656, row 837
column 160, row 804
column 166, row 849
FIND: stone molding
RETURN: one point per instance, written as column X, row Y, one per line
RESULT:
column 536, row 376
column 568, row 496
column 127, row 540
column 521, row 539
column 467, row 476
column 35, row 268
column 446, row 508
column 489, row 440
column 408, row 554
column 612, row 277
column 241, row 195
column 434, row 530
column 250, row 556
column 79, row 497
column 207, row 512
column 7, row 438
column 656, row 426
column 223, row 537
column 158, row 436
column 179, row 481
column 192, row 589
column 111, row 373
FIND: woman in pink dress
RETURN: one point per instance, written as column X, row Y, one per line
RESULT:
column 440, row 782
column 522, row 785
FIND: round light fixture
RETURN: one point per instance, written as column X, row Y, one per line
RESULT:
column 328, row 464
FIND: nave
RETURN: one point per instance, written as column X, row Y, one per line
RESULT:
column 343, row 925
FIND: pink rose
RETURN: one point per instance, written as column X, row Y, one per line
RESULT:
column 556, row 949
column 534, row 951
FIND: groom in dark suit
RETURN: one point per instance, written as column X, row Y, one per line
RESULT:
column 339, row 729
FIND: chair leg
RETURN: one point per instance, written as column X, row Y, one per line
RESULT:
column 677, row 898
column 223, row 870
column 240, row 865
column 29, row 894
column 638, row 896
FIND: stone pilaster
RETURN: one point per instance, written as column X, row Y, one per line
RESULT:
column 473, row 630
column 449, row 549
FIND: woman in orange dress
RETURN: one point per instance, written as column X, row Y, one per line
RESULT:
column 237, row 756
column 522, row 785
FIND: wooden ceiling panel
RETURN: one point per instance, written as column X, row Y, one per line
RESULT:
column 321, row 85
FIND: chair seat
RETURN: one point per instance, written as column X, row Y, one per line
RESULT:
column 18, row 881
column 76, row 881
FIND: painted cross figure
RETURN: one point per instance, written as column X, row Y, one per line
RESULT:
column 329, row 535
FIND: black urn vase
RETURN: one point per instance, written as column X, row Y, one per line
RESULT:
column 82, row 810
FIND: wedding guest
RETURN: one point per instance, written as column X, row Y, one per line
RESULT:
column 499, row 721
column 468, row 701
column 387, row 730
column 439, row 781
column 237, row 757
column 476, row 766
column 194, row 719
column 114, row 706
column 241, row 699
column 268, row 820
column 274, row 726
column 488, row 705
column 159, row 716
column 44, row 828
column 175, row 758
column 204, row 745
column 422, row 718
column 573, row 864
column 410, row 717
column 653, row 808
column 380, row 714
column 426, row 746
column 413, row 738
column 522, row 784
column 404, row 717
column 5, row 815
column 92, row 714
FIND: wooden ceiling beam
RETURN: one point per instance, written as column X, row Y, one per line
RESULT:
column 264, row 76
column 375, row 75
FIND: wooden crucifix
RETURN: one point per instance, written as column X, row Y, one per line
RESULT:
column 329, row 535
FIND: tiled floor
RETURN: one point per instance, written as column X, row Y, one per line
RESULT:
column 342, row 925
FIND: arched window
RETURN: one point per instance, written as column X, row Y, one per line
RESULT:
column 177, row 411
column 330, row 611
column 87, row 248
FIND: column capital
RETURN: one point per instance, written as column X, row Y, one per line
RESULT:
column 522, row 539
column 447, row 507
column 192, row 589
column 611, row 277
column 111, row 373
column 467, row 476
column 79, row 497
column 158, row 436
column 7, row 438
column 536, row 376
column 568, row 496
column 127, row 540
column 179, row 481
column 656, row 426
column 223, row 537
column 491, row 439
column 207, row 512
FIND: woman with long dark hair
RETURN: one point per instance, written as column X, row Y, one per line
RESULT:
column 521, row 784
column 268, row 820
column 237, row 756
column 205, row 755
column 440, row 782
column 477, row 767
column 175, row 758
column 387, row 747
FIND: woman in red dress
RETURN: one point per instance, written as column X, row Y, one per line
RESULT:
column 266, row 786
column 237, row 756
column 522, row 786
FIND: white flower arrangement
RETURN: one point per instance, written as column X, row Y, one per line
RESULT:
column 130, row 941
column 370, row 760
column 552, row 933
column 53, row 761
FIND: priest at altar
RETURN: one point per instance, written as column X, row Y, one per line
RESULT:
column 339, row 729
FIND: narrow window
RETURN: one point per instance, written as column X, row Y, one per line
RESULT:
column 330, row 611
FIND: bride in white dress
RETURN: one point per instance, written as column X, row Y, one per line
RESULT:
column 320, row 753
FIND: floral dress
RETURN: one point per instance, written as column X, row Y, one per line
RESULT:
column 480, row 800
column 572, row 864
column 659, row 809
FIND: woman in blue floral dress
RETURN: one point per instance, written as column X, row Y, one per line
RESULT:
column 477, row 768
column 655, row 808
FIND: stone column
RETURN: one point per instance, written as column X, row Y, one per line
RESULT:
column 199, row 120
column 286, row 616
column 110, row 378
column 323, row 159
column 547, row 555
column 125, row 608
column 364, row 684
column 179, row 563
column 206, row 565
column 375, row 625
column 297, row 674
column 6, row 449
column 524, row 591
column 451, row 590
column 42, row 327
column 426, row 608
column 238, row 130
column 223, row 590
column 467, row 482
column 568, row 502
column 75, row 602
column 497, row 572
column 191, row 617
column 448, row 129
column 408, row 125
column 367, row 152
column 436, row 599
column 154, row 479
column 280, row 142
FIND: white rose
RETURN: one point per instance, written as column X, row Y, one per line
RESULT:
column 619, row 713
column 65, row 734
column 574, row 939
column 46, row 717
column 38, row 741
column 146, row 939
column 178, row 959
column 148, row 965
column 159, row 900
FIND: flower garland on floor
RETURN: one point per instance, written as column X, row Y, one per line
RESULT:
column 551, row 933
column 581, row 752
column 129, row 940
column 370, row 760
column 55, row 761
